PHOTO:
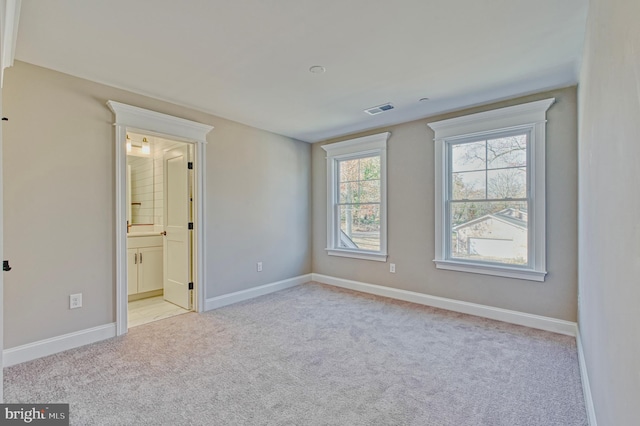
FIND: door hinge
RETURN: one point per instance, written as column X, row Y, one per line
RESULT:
column 190, row 286
column 190, row 225
column 5, row 266
column 190, row 165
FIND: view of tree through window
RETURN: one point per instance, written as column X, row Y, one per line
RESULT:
column 488, row 200
column 359, row 203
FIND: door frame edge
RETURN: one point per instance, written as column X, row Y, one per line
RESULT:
column 134, row 118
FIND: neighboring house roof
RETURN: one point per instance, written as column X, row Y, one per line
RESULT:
column 506, row 215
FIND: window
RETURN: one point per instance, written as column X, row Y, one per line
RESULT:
column 356, row 198
column 490, row 192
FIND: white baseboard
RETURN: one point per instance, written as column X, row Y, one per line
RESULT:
column 505, row 315
column 586, row 387
column 45, row 347
column 239, row 296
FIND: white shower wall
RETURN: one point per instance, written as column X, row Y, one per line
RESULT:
column 142, row 196
column 147, row 183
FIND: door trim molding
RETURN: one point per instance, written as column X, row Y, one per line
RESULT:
column 134, row 118
column 10, row 16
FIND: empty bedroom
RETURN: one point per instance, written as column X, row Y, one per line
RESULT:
column 418, row 212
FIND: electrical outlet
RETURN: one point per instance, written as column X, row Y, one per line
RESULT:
column 392, row 268
column 259, row 266
column 75, row 301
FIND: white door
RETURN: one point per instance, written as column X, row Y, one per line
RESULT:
column 177, row 248
column 1, row 255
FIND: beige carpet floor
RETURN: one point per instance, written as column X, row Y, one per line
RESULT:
column 314, row 355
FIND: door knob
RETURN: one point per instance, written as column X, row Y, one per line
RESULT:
column 5, row 266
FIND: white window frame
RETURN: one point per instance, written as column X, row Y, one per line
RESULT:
column 529, row 118
column 366, row 146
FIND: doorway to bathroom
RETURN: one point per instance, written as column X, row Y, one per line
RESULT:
column 184, row 272
column 160, row 200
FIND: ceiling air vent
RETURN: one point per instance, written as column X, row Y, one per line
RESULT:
column 379, row 109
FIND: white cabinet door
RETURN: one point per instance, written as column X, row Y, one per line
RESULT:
column 149, row 269
column 132, row 271
column 144, row 264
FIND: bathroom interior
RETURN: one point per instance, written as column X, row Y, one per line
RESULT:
column 147, row 253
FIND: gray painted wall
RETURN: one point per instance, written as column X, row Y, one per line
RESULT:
column 59, row 202
column 609, row 209
column 411, row 220
column 59, row 161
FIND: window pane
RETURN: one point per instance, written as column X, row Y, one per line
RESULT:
column 507, row 183
column 360, row 180
column 360, row 227
column 507, row 152
column 468, row 156
column 360, row 192
column 348, row 170
column 490, row 231
column 348, row 192
column 468, row 186
column 370, row 168
column 369, row 192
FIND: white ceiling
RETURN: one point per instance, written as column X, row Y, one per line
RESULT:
column 248, row 60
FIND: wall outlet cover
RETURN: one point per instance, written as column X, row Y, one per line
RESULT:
column 75, row 301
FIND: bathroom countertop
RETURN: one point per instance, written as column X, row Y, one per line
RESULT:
column 143, row 234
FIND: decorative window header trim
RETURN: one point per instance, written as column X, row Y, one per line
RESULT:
column 487, row 121
column 365, row 143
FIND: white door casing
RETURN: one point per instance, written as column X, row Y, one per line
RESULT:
column 9, row 18
column 1, row 256
column 177, row 250
column 142, row 120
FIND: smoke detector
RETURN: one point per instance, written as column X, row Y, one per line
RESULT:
column 379, row 109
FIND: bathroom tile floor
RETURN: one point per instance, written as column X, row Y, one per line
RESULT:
column 152, row 309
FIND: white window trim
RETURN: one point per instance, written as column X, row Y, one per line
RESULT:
column 529, row 117
column 354, row 148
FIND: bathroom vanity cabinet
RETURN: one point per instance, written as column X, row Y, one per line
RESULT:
column 144, row 262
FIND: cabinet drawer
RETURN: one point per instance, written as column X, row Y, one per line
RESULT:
column 140, row 242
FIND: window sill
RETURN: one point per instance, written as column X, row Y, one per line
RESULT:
column 364, row 255
column 495, row 270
